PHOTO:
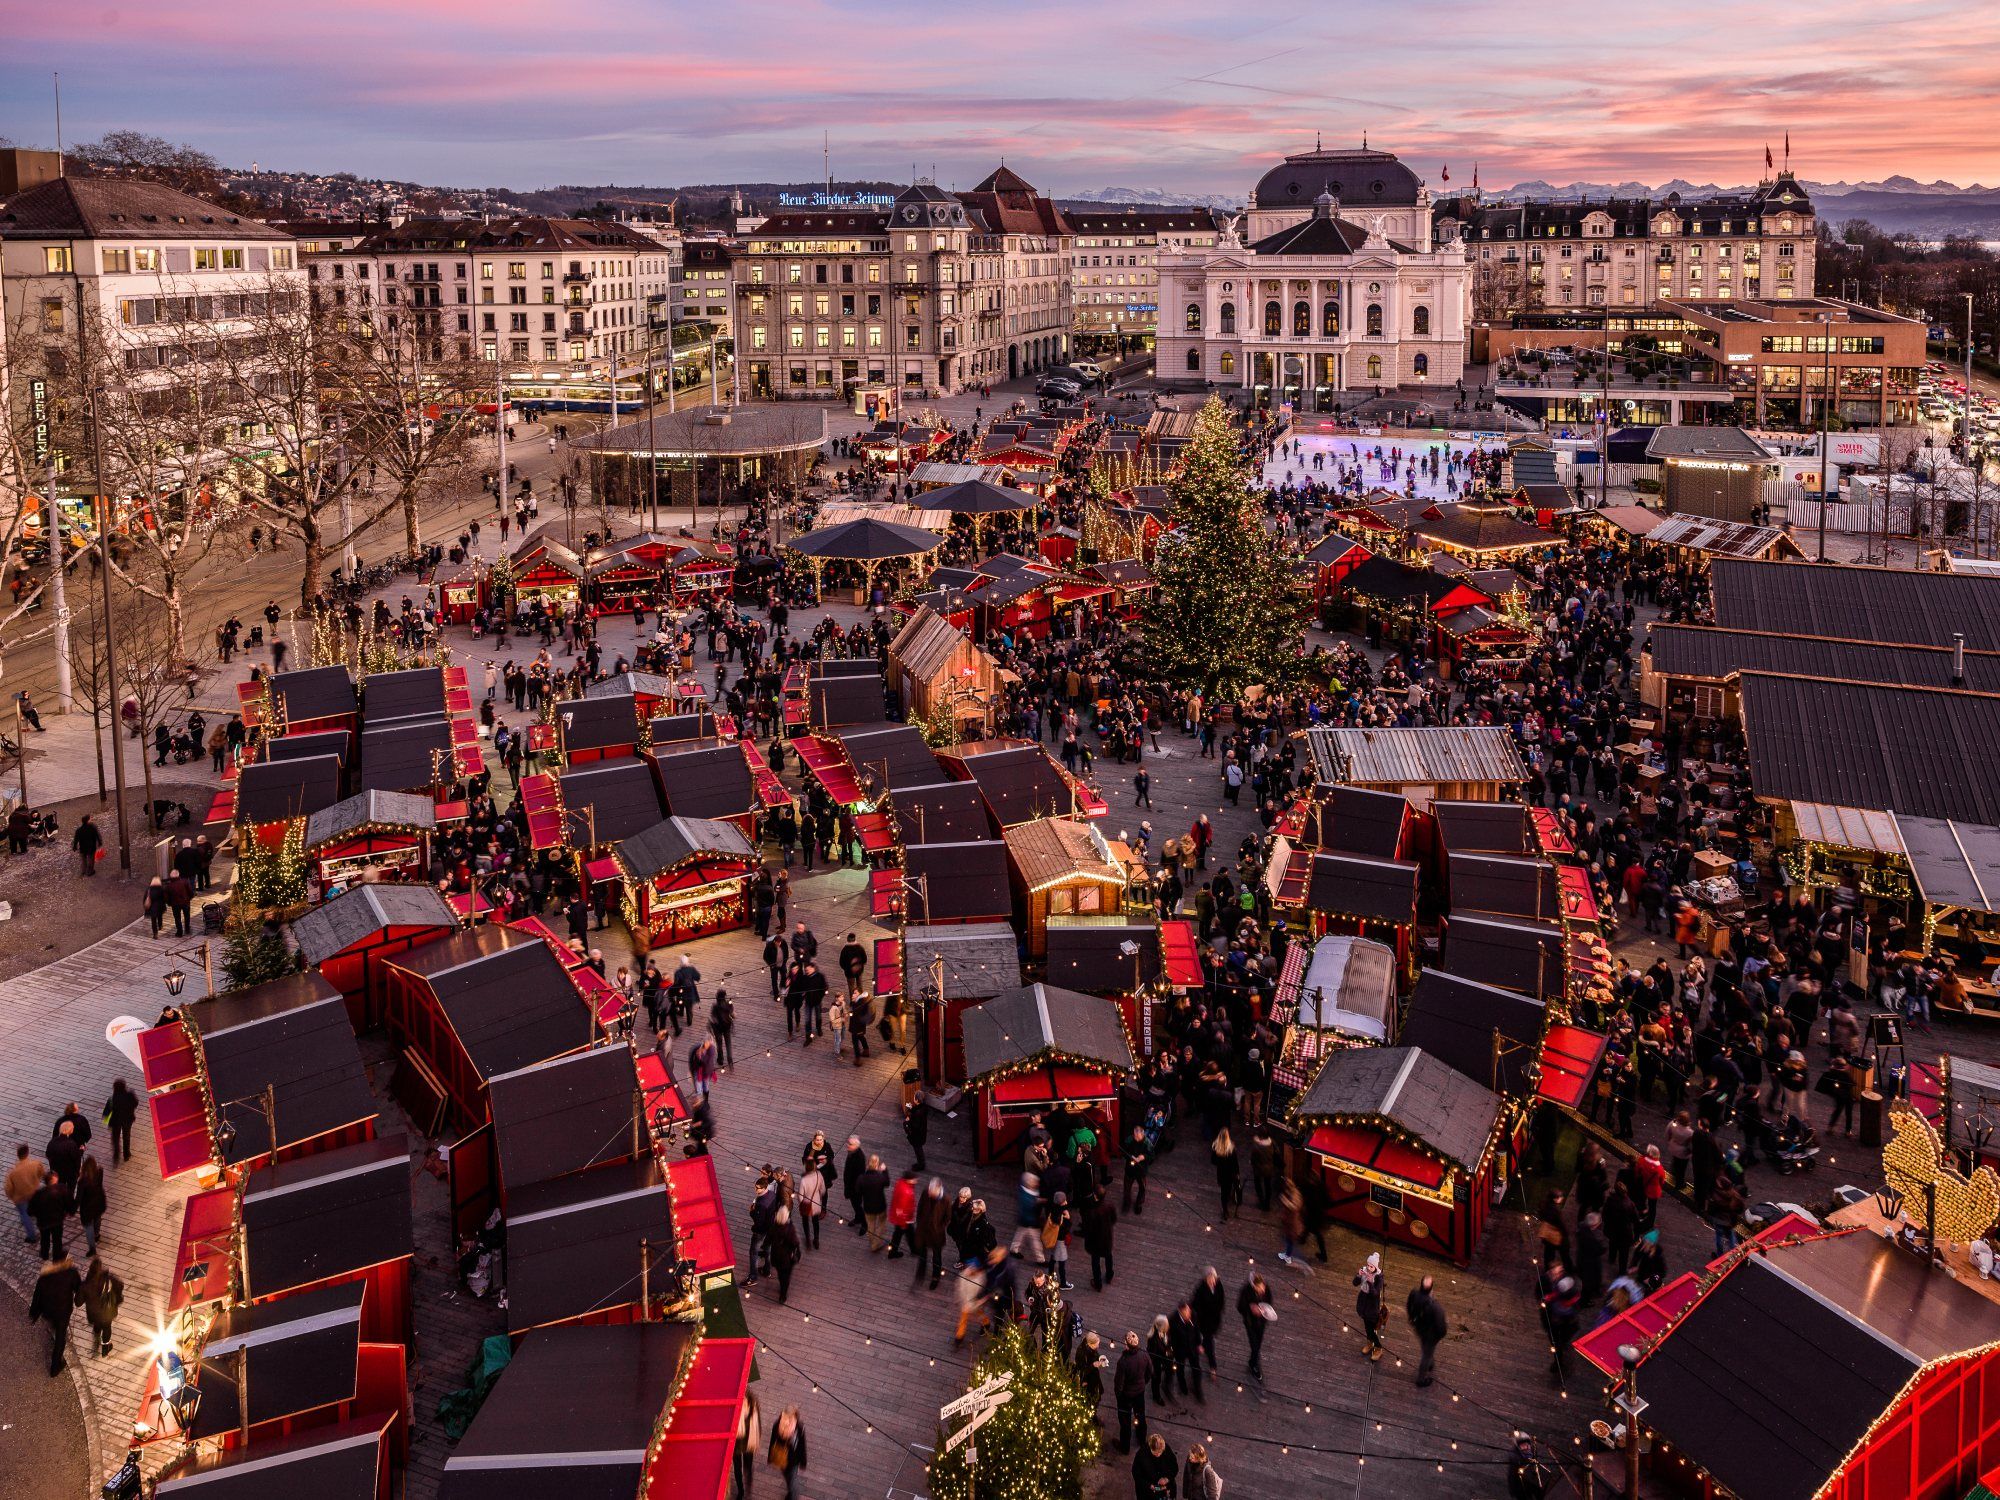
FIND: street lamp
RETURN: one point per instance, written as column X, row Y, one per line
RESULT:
column 1825, row 412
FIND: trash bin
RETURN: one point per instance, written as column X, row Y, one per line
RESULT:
column 1871, row 1118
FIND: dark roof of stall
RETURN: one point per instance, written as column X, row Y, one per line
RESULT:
column 1454, row 1019
column 1040, row 1022
column 292, row 1035
column 362, row 911
column 1421, row 1095
column 1083, row 953
column 573, row 1243
column 1483, row 827
column 964, row 881
column 674, row 841
column 706, row 781
column 509, row 1003
column 340, row 1462
column 1508, row 884
column 943, row 810
column 276, row 791
column 321, row 1216
column 598, row 722
column 1348, row 885
column 564, row 1115
column 620, row 795
column 312, row 693
column 299, row 1353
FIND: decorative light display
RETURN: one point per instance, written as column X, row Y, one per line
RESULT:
column 1935, row 1195
column 1038, row 1446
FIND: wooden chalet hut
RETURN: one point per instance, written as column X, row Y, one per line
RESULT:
column 1043, row 1051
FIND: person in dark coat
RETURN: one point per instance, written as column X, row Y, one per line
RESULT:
column 180, row 898
column 917, row 1129
column 49, row 1208
column 1428, row 1322
column 1128, row 1388
column 1209, row 1301
column 120, row 1110
column 154, row 905
column 1099, row 1221
column 86, row 841
column 851, row 1170
column 788, row 1449
column 1253, row 1305
column 785, row 1251
column 1155, row 1470
column 65, row 1154
column 78, row 1122
column 103, row 1295
column 90, row 1201
column 933, row 1222
column 1184, row 1337
column 58, row 1290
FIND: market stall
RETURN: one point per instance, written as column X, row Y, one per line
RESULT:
column 685, row 878
column 1041, row 1051
column 1409, row 1147
column 1338, row 992
column 347, row 937
column 1061, row 867
column 463, row 591
column 373, row 836
column 546, row 572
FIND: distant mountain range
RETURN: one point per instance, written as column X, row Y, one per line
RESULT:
column 1122, row 197
column 1570, row 192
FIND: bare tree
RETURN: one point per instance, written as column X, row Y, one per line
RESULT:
column 90, row 682
column 131, row 153
column 152, row 674
column 38, row 436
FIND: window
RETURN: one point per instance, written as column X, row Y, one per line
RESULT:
column 797, row 338
column 1194, row 359
column 517, row 270
column 1227, row 363
column 1420, row 320
column 55, row 258
column 795, row 304
column 1228, row 317
column 1422, row 364
column 1374, row 367
column 1274, row 318
column 117, row 260
column 1329, row 318
column 52, row 315
column 1194, row 318
column 204, row 260
column 486, row 270
column 756, row 338
column 1302, row 319
column 1374, row 324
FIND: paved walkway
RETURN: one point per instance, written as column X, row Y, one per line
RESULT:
column 52, row 1037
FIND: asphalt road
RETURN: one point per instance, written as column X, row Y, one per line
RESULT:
column 43, row 1455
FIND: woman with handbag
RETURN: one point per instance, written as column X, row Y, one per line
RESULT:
column 788, row 1449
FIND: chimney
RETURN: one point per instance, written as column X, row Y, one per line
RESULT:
column 1958, row 658
column 21, row 169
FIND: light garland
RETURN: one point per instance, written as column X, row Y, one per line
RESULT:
column 1915, row 1164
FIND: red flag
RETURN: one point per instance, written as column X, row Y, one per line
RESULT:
column 1768, row 163
column 1447, row 174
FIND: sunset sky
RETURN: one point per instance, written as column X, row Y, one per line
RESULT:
column 1135, row 93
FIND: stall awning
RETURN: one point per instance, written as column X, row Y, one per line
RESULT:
column 1548, row 833
column 1573, row 888
column 1569, row 1060
column 1076, row 593
column 1376, row 1151
column 698, row 1217
column 692, row 1460
column 166, row 1056
column 829, row 768
column 1848, row 827
column 180, row 1131
column 1070, row 1086
column 874, row 832
column 1180, row 958
column 601, row 869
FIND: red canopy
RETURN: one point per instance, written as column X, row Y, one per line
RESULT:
column 1179, row 956
column 1376, row 1151
column 1570, row 1056
column 692, row 1460
column 1072, row 1086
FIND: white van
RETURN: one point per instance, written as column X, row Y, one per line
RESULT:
column 1089, row 369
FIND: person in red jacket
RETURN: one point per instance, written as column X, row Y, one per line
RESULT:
column 1651, row 1175
column 903, row 1214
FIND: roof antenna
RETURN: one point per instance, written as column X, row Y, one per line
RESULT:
column 826, row 159
column 1364, row 140
column 61, row 171
column 1316, row 143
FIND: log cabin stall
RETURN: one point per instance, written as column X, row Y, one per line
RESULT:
column 1409, row 1148
column 1061, row 867
column 345, row 939
column 1460, row 763
column 685, row 878
column 230, row 1071
column 368, row 837
column 1042, row 1052
column 546, row 572
column 639, row 1409
column 940, row 675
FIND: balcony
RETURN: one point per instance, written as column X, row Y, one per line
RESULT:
column 575, row 277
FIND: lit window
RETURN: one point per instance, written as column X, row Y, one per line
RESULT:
column 55, row 258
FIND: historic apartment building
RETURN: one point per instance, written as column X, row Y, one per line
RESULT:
column 551, row 294
column 1341, row 282
column 1636, row 252
column 931, row 293
column 137, row 289
column 1115, row 270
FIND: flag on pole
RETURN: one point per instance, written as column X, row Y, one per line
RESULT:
column 1768, row 163
column 1447, row 172
column 1788, row 151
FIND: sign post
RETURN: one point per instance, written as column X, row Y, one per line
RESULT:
column 978, row 1406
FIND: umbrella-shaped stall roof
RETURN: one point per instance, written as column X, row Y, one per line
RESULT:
column 865, row 540
column 978, row 497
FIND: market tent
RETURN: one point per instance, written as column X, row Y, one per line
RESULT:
column 979, row 499
column 866, row 541
column 1440, row 1110
column 888, row 756
column 958, row 882
column 1348, row 985
column 367, row 811
column 673, row 842
column 347, row 1461
column 1087, row 953
column 1370, row 890
column 704, row 782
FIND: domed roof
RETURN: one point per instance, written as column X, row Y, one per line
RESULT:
column 1357, row 178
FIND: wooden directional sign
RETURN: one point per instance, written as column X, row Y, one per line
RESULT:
column 979, row 1419
column 992, row 1393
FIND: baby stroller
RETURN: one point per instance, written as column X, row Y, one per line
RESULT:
column 1796, row 1148
column 1159, row 1134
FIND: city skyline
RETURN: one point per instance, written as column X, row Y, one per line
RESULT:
column 461, row 95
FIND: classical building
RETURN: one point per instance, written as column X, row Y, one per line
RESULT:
column 532, row 293
column 932, row 293
column 1115, row 272
column 1635, row 252
column 1342, row 284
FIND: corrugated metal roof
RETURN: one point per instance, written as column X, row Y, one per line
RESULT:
column 1723, row 538
column 1877, row 604
column 1920, row 751
column 1847, row 827
column 1955, row 864
column 1409, row 757
column 1716, row 653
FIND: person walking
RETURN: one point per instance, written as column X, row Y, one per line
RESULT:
column 932, row 1226
column 1428, row 1322
column 90, row 1201
column 788, row 1449
column 872, row 1200
column 88, row 842
column 785, row 1251
column 1129, row 1381
column 1155, row 1470
column 49, row 1207
column 1254, row 1306
column 1199, row 1481
column 1228, row 1171
column 810, row 1196
column 1209, row 1301
column 1100, row 1219
column 103, row 1295
column 1369, row 1307
column 120, row 1110
column 58, row 1290
column 749, row 1438
column 22, row 1181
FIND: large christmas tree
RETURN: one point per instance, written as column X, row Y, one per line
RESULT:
column 1225, row 614
column 1036, row 1447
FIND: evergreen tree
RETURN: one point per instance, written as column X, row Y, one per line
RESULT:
column 1036, row 1447
column 1225, row 612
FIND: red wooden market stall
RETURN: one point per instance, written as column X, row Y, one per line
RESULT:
column 1040, row 1051
column 682, row 878
column 348, row 938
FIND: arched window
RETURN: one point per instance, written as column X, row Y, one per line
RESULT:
column 1228, row 317
column 1374, row 367
column 1194, row 317
column 1420, row 320
column 1302, row 319
column 1274, row 318
column 1423, row 364
column 1329, row 318
column 1194, row 359
column 1374, row 320
column 1228, row 362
